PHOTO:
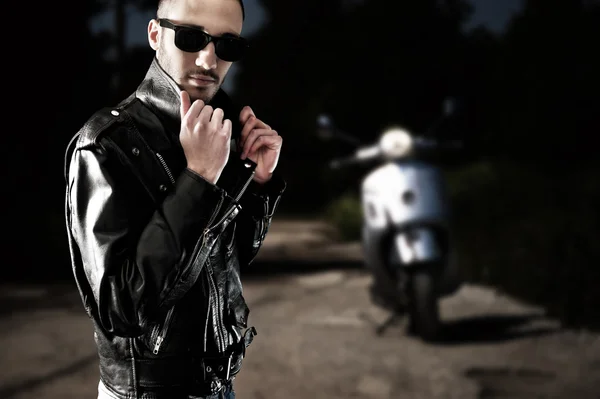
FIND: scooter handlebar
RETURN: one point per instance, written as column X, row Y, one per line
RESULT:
column 361, row 155
column 342, row 162
column 427, row 145
column 420, row 145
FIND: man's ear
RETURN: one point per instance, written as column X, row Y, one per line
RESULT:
column 153, row 34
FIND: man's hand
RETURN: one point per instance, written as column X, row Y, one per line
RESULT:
column 205, row 137
column 260, row 144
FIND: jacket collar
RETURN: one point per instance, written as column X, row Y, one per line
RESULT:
column 160, row 92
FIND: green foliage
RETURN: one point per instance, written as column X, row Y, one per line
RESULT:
column 533, row 234
column 530, row 232
column 345, row 213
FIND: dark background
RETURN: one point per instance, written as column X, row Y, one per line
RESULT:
column 526, row 189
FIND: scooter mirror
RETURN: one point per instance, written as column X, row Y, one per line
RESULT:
column 327, row 130
column 324, row 120
column 325, row 127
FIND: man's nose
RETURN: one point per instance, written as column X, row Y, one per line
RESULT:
column 207, row 58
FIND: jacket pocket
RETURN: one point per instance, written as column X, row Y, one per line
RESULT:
column 239, row 311
column 156, row 339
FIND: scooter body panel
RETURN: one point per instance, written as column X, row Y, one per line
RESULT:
column 418, row 245
column 404, row 193
column 406, row 216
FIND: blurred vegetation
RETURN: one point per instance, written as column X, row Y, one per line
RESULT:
column 345, row 213
column 531, row 233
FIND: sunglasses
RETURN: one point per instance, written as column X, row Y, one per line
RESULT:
column 192, row 40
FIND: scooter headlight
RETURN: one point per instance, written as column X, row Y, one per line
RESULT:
column 395, row 142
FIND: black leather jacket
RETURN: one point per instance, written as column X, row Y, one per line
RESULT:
column 156, row 249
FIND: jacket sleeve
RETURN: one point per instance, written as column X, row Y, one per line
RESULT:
column 135, row 264
column 259, row 204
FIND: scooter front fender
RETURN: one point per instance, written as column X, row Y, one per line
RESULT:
column 418, row 245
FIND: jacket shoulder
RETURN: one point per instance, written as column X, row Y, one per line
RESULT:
column 102, row 122
column 98, row 124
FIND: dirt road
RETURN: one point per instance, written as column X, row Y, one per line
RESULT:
column 316, row 337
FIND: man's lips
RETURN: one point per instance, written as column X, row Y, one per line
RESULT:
column 202, row 80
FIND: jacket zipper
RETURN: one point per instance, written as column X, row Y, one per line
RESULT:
column 244, row 187
column 220, row 327
column 163, row 332
column 230, row 211
column 217, row 310
column 165, row 328
column 208, row 310
column 166, row 167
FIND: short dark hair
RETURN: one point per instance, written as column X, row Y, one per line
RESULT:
column 162, row 5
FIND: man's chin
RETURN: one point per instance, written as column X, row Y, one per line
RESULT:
column 202, row 93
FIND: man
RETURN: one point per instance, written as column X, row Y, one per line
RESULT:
column 168, row 195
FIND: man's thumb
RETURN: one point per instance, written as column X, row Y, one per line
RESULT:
column 185, row 102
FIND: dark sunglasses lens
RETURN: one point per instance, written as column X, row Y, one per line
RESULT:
column 231, row 49
column 190, row 40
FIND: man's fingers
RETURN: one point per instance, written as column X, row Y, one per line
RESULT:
column 205, row 114
column 245, row 114
column 246, row 129
column 225, row 133
column 185, row 103
column 226, row 128
column 217, row 117
column 251, row 124
column 270, row 141
column 254, row 135
column 194, row 111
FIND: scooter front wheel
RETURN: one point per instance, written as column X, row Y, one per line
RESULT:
column 423, row 306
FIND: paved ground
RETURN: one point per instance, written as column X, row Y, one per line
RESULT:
column 308, row 300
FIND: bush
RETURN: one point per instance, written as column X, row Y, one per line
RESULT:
column 532, row 234
column 345, row 213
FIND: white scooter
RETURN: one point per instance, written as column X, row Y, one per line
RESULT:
column 406, row 237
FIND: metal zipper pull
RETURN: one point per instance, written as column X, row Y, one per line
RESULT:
column 163, row 333
column 159, row 341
